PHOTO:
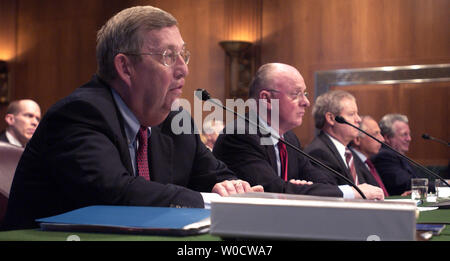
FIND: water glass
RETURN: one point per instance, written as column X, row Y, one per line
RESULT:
column 419, row 189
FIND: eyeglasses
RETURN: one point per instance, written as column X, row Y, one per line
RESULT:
column 294, row 96
column 169, row 56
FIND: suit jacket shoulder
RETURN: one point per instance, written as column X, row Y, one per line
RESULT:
column 256, row 163
column 79, row 156
column 3, row 136
column 324, row 150
column 395, row 172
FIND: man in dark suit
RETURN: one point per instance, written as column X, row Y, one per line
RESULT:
column 395, row 171
column 364, row 147
column 330, row 145
column 22, row 117
column 257, row 158
column 92, row 147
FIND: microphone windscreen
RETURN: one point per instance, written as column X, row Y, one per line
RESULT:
column 202, row 94
column 340, row 119
column 425, row 136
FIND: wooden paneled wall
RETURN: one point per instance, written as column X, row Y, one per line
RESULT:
column 51, row 44
column 326, row 35
column 426, row 105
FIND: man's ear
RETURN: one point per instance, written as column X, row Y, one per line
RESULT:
column 386, row 139
column 329, row 118
column 9, row 118
column 123, row 67
column 357, row 141
column 266, row 96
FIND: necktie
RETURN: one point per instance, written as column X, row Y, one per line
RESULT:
column 351, row 164
column 141, row 157
column 376, row 176
column 284, row 160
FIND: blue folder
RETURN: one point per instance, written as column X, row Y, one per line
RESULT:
column 131, row 219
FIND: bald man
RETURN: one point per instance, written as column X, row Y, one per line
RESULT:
column 276, row 168
column 22, row 117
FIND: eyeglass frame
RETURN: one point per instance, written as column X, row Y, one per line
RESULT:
column 297, row 96
column 164, row 55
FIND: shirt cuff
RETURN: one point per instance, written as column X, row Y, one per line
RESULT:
column 347, row 191
column 207, row 197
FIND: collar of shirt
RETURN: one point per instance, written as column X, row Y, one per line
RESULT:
column 339, row 146
column 132, row 126
column 270, row 130
column 12, row 139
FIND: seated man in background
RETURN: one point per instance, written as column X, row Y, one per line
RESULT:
column 365, row 147
column 22, row 117
column 110, row 142
column 395, row 171
column 330, row 145
column 276, row 167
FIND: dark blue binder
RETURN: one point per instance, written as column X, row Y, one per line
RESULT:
column 131, row 219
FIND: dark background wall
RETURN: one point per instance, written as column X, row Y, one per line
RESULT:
column 50, row 49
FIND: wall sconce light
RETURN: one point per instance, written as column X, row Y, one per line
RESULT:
column 4, row 90
column 239, row 68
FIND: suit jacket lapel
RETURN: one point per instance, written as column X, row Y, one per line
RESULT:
column 335, row 153
column 118, row 128
column 161, row 156
column 270, row 150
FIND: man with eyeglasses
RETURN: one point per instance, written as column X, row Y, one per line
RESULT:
column 395, row 171
column 280, row 169
column 110, row 142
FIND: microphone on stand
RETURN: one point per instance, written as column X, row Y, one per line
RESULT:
column 204, row 96
column 341, row 120
column 425, row 136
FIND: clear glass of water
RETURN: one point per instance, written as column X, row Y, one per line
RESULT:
column 419, row 189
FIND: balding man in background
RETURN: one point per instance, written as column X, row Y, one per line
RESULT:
column 22, row 117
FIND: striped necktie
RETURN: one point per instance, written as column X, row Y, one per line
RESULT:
column 351, row 164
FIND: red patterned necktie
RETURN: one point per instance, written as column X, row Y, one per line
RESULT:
column 377, row 176
column 141, row 157
column 351, row 164
column 283, row 159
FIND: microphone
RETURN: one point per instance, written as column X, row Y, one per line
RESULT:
column 341, row 120
column 425, row 136
column 204, row 96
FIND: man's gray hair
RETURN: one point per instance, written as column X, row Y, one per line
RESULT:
column 329, row 102
column 123, row 33
column 388, row 120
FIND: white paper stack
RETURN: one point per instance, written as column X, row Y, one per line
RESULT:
column 298, row 217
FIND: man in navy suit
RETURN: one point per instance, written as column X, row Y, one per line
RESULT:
column 257, row 158
column 395, row 171
column 87, row 149
column 330, row 145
